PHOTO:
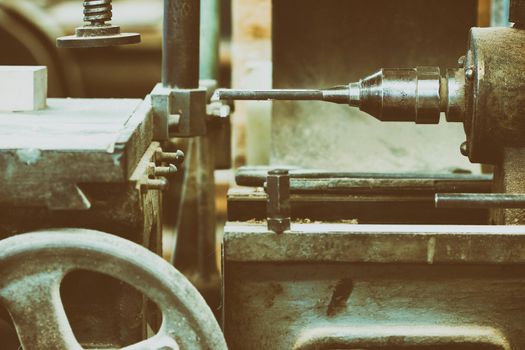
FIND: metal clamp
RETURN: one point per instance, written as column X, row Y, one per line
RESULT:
column 178, row 112
column 33, row 265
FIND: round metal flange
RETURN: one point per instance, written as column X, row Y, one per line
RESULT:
column 97, row 36
column 33, row 265
column 77, row 42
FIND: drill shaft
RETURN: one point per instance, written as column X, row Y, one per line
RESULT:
column 277, row 94
column 338, row 94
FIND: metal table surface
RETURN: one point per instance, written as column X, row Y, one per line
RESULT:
column 327, row 285
column 68, row 124
column 45, row 154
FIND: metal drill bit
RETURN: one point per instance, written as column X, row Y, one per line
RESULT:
column 345, row 94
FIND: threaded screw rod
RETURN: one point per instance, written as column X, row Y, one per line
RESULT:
column 97, row 12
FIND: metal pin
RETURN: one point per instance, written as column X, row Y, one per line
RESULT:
column 160, row 184
column 165, row 170
column 176, row 158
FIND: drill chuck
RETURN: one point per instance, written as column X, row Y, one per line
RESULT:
column 402, row 95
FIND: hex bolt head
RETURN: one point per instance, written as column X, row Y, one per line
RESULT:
column 278, row 202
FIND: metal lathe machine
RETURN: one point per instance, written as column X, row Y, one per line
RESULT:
column 360, row 234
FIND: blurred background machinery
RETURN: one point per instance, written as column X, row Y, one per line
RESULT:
column 29, row 29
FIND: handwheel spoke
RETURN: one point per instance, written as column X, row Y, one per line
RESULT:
column 39, row 317
column 158, row 342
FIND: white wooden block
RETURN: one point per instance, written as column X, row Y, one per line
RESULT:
column 23, row 88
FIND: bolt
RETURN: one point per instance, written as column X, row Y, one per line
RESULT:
column 278, row 203
column 176, row 158
column 160, row 184
column 464, row 149
column 469, row 73
column 461, row 62
column 154, row 170
column 165, row 170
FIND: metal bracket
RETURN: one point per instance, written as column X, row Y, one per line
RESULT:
column 178, row 112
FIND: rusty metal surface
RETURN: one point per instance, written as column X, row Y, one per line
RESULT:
column 101, row 39
column 510, row 178
column 33, row 265
column 367, row 197
column 434, row 337
column 362, row 286
column 100, row 141
column 114, row 314
column 365, row 207
column 432, row 244
column 495, row 98
column 318, row 180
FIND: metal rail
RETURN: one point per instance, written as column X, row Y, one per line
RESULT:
column 479, row 200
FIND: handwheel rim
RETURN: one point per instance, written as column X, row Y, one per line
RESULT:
column 39, row 261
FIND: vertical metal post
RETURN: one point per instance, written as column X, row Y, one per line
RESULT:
column 195, row 252
column 180, row 44
column 210, row 39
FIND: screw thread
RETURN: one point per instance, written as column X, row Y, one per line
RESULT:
column 97, row 12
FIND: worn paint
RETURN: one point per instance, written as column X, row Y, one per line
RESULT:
column 342, row 291
column 431, row 250
column 29, row 156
